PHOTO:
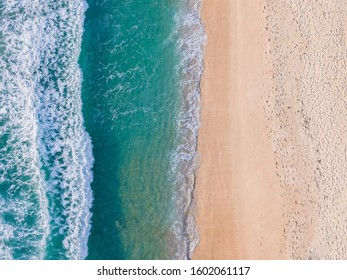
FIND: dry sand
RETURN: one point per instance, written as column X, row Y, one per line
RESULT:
column 272, row 181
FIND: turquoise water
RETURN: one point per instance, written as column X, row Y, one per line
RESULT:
column 98, row 125
column 45, row 152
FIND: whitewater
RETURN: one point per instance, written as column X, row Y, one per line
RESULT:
column 45, row 152
column 114, row 178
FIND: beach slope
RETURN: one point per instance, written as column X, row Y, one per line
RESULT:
column 239, row 201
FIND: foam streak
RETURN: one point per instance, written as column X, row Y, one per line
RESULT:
column 46, row 160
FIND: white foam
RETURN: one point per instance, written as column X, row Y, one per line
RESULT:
column 184, row 159
column 47, row 143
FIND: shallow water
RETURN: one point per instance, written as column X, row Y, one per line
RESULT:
column 115, row 182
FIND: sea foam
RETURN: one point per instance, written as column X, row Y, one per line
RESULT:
column 45, row 152
column 184, row 160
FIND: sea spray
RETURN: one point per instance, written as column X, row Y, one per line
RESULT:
column 45, row 152
column 190, row 46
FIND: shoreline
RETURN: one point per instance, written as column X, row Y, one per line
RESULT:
column 239, row 203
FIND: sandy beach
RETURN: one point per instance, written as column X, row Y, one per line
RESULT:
column 238, row 199
column 272, row 178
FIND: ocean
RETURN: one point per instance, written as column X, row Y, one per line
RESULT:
column 99, row 119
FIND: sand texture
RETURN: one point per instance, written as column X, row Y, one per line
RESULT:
column 272, row 181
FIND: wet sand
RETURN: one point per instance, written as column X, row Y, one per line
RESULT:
column 239, row 202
